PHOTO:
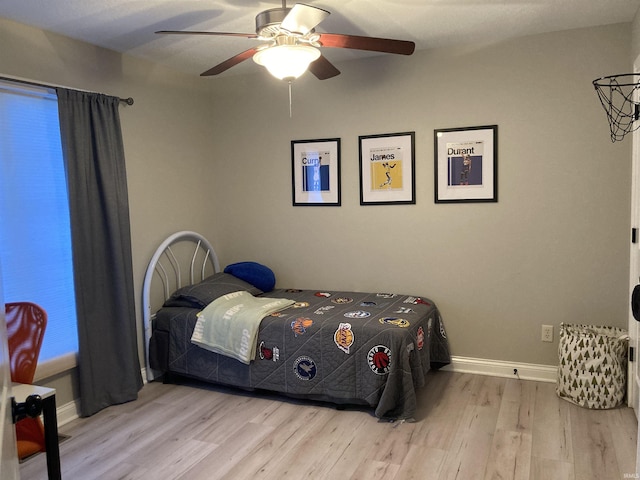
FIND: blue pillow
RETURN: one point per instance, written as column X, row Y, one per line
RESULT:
column 254, row 273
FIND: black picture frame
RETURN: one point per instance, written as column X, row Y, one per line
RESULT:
column 315, row 172
column 466, row 164
column 387, row 169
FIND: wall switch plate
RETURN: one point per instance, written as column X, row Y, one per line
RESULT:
column 547, row 333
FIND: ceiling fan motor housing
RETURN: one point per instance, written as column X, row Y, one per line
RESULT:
column 292, row 30
column 268, row 22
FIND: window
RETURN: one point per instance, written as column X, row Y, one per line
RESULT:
column 35, row 236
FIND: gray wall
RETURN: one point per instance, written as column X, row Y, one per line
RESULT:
column 635, row 37
column 553, row 249
column 213, row 155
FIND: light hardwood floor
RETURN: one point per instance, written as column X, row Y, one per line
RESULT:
column 468, row 427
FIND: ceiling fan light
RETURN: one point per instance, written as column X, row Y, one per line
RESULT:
column 287, row 61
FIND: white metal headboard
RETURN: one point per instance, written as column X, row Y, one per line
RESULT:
column 171, row 269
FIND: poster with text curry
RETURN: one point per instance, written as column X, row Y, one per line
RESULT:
column 387, row 169
column 315, row 168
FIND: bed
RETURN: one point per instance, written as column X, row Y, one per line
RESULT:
column 371, row 349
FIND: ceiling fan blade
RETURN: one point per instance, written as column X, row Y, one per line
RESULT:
column 187, row 32
column 231, row 62
column 323, row 68
column 303, row 18
column 385, row 45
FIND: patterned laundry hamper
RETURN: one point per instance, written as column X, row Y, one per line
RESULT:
column 592, row 368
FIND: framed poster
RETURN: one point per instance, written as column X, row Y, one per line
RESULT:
column 315, row 172
column 387, row 164
column 466, row 164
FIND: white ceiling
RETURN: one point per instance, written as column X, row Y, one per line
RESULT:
column 128, row 26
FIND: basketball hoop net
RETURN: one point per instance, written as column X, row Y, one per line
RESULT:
column 619, row 98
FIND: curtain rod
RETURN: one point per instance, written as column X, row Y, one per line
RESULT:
column 128, row 101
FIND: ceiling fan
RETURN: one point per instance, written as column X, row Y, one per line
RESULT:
column 291, row 44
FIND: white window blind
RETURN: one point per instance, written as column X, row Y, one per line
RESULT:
column 35, row 237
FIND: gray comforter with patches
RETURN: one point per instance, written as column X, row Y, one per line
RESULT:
column 343, row 347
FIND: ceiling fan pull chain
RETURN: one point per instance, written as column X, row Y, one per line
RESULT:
column 290, row 82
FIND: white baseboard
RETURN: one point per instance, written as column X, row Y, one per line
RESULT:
column 68, row 412
column 497, row 368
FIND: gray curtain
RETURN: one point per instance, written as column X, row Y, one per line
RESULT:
column 108, row 365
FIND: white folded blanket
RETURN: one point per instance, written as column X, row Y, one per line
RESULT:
column 229, row 325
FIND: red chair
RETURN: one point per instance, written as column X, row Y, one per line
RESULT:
column 26, row 323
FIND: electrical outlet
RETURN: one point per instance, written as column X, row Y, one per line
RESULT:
column 547, row 333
